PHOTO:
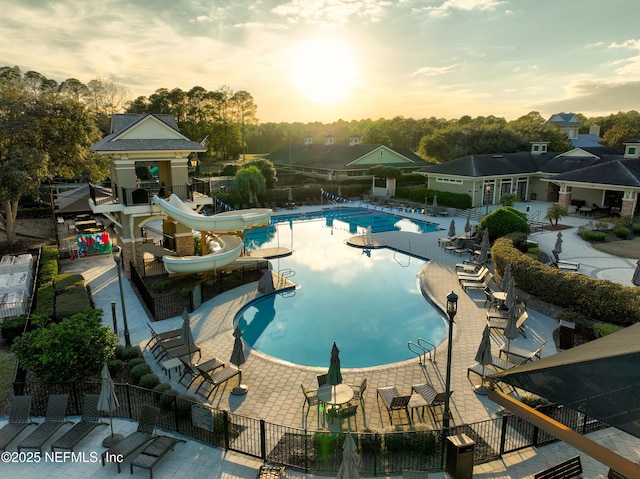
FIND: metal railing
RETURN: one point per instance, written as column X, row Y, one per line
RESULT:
column 319, row 452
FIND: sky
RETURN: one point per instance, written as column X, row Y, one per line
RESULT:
column 326, row 60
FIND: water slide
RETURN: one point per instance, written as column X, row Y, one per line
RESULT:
column 231, row 245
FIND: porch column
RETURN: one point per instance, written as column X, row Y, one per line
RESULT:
column 628, row 203
column 564, row 198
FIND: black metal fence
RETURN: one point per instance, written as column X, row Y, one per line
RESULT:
column 318, row 452
column 170, row 305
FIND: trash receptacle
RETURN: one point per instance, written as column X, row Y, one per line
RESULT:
column 566, row 334
column 460, row 449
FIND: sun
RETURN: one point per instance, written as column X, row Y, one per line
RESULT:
column 323, row 70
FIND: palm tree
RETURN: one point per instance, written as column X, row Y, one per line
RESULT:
column 555, row 213
column 250, row 183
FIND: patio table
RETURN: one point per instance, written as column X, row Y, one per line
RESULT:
column 335, row 395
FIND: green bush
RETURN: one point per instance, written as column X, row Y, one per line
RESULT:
column 118, row 352
column 605, row 329
column 12, row 328
column 72, row 349
column 453, row 200
column 45, row 300
column 370, row 442
column 636, row 229
column 508, row 200
column 310, row 181
column 131, row 352
column 73, row 300
column 149, row 381
column 622, row 232
column 597, row 299
column 36, row 212
column 533, row 400
column 135, row 362
column 64, row 281
column 115, row 366
column 589, row 235
column 160, row 389
column 503, row 221
column 167, row 399
column 137, row 373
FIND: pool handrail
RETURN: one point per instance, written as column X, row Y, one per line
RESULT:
column 433, row 348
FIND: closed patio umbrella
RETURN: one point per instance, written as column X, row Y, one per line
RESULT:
column 636, row 274
column 350, row 460
column 108, row 402
column 485, row 248
column 467, row 225
column 506, row 277
column 483, row 356
column 238, row 358
column 334, row 376
column 511, row 328
column 435, row 201
column 186, row 336
column 510, row 300
column 452, row 229
column 557, row 249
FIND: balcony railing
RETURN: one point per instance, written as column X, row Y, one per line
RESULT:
column 143, row 194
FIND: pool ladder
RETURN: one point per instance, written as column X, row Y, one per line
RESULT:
column 283, row 275
column 407, row 252
column 420, row 350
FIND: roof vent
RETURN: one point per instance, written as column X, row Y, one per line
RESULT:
column 496, row 156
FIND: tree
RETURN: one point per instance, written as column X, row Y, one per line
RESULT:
column 382, row 171
column 555, row 213
column 250, row 183
column 268, row 171
column 74, row 348
column 40, row 139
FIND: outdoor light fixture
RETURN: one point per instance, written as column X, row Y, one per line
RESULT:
column 452, row 309
column 117, row 257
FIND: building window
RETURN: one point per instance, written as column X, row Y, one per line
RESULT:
column 449, row 180
column 632, row 150
column 381, row 153
column 536, row 147
column 544, row 148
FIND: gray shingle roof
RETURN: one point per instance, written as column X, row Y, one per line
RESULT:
column 337, row 157
column 621, row 172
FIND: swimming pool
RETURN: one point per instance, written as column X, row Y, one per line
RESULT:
column 367, row 301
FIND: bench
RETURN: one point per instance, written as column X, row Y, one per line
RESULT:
column 155, row 451
column 564, row 470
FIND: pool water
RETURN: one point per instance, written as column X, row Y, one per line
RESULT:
column 367, row 301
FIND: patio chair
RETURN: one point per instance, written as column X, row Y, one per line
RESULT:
column 433, row 399
column 192, row 373
column 347, row 412
column 217, row 378
column 477, row 284
column 393, row 401
column 322, row 379
column 19, row 419
column 157, row 338
column 310, row 399
column 180, row 352
column 502, row 325
column 134, row 441
column 510, row 350
column 89, row 421
column 358, row 391
column 56, row 417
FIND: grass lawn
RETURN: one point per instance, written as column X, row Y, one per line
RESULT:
column 623, row 248
column 7, row 367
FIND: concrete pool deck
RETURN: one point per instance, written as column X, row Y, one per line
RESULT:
column 274, row 386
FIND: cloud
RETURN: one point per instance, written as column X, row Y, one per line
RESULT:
column 433, row 71
column 448, row 6
column 331, row 12
column 596, row 98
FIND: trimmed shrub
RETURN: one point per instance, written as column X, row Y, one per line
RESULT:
column 137, row 373
column 74, row 299
column 167, row 399
column 149, row 381
column 160, row 389
column 131, row 353
column 622, row 232
column 118, row 352
column 636, row 229
column 12, row 328
column 589, row 235
column 115, row 366
column 64, row 281
column 533, row 401
column 503, row 221
column 135, row 362
column 605, row 329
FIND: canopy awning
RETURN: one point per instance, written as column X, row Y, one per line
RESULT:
column 600, row 378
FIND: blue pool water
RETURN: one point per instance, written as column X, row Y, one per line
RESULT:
column 368, row 302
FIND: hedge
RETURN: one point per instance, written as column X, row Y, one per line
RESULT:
column 453, row 200
column 596, row 299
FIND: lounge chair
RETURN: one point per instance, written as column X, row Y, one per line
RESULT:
column 477, row 284
column 393, row 401
column 510, row 350
column 180, row 351
column 89, row 421
column 157, row 338
column 479, row 276
column 155, row 451
column 497, row 364
column 19, row 419
column 56, row 417
column 192, row 373
column 218, row 378
column 502, row 325
column 432, row 398
column 134, row 441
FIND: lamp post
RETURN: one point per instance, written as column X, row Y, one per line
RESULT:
column 117, row 257
column 486, row 198
column 452, row 309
